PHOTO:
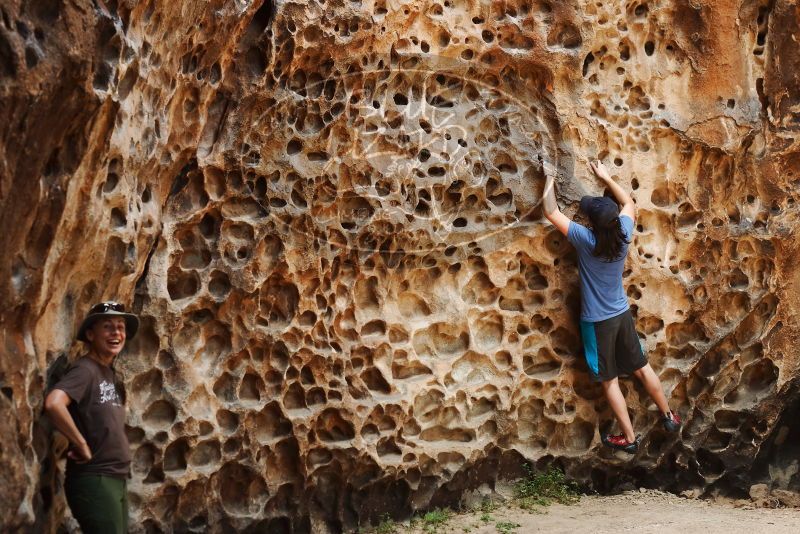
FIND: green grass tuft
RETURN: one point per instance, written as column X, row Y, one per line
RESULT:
column 543, row 489
column 506, row 527
column 386, row 526
column 488, row 505
column 434, row 519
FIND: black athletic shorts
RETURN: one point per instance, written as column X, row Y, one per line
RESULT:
column 612, row 347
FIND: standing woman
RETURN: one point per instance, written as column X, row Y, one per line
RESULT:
column 87, row 406
column 610, row 342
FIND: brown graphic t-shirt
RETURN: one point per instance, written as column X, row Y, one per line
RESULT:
column 99, row 414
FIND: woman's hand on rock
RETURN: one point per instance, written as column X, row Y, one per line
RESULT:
column 600, row 170
column 548, row 169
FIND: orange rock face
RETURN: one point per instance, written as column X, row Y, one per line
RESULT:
column 326, row 214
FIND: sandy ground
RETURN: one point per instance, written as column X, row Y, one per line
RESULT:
column 638, row 512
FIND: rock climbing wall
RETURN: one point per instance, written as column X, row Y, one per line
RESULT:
column 327, row 215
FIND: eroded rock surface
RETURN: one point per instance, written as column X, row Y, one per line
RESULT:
column 326, row 214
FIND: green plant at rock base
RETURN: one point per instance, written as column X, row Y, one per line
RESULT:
column 507, row 527
column 488, row 505
column 386, row 526
column 431, row 521
column 531, row 506
column 542, row 489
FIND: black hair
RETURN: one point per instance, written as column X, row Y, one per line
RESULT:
column 609, row 240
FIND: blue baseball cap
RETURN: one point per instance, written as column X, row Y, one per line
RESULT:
column 602, row 211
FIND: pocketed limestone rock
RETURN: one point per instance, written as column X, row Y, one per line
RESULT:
column 327, row 216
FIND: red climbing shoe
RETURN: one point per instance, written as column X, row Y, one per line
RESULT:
column 620, row 443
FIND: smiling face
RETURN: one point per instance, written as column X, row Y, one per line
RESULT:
column 107, row 336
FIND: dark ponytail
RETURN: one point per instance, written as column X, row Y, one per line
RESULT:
column 609, row 240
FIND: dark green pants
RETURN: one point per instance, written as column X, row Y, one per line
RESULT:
column 99, row 503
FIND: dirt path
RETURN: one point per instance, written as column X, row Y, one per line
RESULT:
column 645, row 513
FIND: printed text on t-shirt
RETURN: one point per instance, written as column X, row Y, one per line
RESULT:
column 108, row 393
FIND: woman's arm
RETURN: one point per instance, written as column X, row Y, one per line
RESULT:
column 622, row 196
column 551, row 210
column 56, row 407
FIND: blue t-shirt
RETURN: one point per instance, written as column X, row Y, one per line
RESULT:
column 602, row 295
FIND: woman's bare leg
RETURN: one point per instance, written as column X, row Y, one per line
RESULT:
column 652, row 384
column 618, row 406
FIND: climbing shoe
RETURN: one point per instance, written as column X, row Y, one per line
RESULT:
column 671, row 422
column 620, row 443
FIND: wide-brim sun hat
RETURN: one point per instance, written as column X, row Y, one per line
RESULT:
column 108, row 309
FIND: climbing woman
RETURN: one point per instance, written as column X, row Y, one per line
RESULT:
column 611, row 345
